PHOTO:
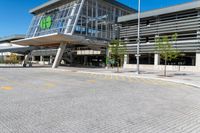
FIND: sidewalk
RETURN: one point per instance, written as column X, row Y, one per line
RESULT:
column 188, row 78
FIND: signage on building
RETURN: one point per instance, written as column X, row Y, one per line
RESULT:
column 46, row 22
column 88, row 52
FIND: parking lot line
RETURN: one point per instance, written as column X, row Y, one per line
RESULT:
column 6, row 88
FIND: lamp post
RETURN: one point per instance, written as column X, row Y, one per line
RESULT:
column 138, row 41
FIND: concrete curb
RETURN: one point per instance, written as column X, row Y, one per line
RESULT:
column 134, row 76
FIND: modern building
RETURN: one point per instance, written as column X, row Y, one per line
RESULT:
column 74, row 31
column 183, row 19
column 6, row 47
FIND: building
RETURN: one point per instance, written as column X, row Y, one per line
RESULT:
column 6, row 47
column 74, row 31
column 183, row 19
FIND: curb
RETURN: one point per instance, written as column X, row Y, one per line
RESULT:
column 133, row 76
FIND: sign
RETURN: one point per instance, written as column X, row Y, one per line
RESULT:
column 88, row 52
column 46, row 23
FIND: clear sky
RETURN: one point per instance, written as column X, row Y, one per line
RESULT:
column 15, row 18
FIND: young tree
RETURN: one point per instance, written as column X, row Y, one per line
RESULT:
column 117, row 51
column 164, row 46
column 13, row 58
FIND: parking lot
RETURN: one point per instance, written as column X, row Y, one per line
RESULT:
column 37, row 100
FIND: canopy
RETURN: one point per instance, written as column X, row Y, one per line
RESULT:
column 56, row 39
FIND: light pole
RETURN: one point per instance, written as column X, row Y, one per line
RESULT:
column 138, row 41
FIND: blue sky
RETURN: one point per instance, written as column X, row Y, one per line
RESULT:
column 15, row 19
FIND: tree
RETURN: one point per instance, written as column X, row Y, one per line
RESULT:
column 117, row 51
column 164, row 46
column 13, row 58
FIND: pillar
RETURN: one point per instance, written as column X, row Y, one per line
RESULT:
column 198, row 59
column 156, row 59
column 149, row 58
column 33, row 58
column 41, row 58
column 51, row 59
column 85, row 60
column 126, row 60
column 26, row 60
column 59, row 55
column 2, row 57
column 107, row 57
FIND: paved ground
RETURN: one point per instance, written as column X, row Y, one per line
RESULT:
column 35, row 100
column 190, row 78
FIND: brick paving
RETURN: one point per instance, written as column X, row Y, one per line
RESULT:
column 34, row 100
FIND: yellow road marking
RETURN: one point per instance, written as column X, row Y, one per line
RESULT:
column 92, row 81
column 110, row 77
column 130, row 79
column 107, row 77
column 6, row 88
column 116, row 77
column 49, row 85
column 123, row 78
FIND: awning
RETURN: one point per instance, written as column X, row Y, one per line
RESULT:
column 55, row 39
column 20, row 50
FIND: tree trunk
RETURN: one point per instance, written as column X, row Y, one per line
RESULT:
column 165, row 69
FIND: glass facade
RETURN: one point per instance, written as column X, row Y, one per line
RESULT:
column 98, row 19
column 63, row 19
column 91, row 18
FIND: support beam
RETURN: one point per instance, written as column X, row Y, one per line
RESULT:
column 156, row 59
column 59, row 55
column 26, row 60
column 198, row 59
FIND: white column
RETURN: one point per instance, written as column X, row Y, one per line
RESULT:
column 126, row 60
column 156, row 59
column 59, row 55
column 41, row 60
column 198, row 59
column 33, row 58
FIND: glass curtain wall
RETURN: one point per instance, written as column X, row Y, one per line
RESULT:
column 57, row 20
column 98, row 19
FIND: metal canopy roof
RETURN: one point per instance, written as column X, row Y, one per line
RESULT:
column 162, row 11
column 55, row 2
column 20, row 50
column 11, row 38
column 56, row 38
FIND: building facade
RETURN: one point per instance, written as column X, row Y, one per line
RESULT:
column 79, row 30
column 183, row 19
column 6, row 48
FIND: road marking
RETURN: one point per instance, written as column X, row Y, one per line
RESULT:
column 49, row 85
column 106, row 77
column 116, row 77
column 110, row 77
column 91, row 81
column 6, row 88
column 123, row 78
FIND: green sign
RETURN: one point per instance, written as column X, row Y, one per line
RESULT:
column 46, row 23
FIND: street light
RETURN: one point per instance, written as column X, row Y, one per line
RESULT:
column 138, row 41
